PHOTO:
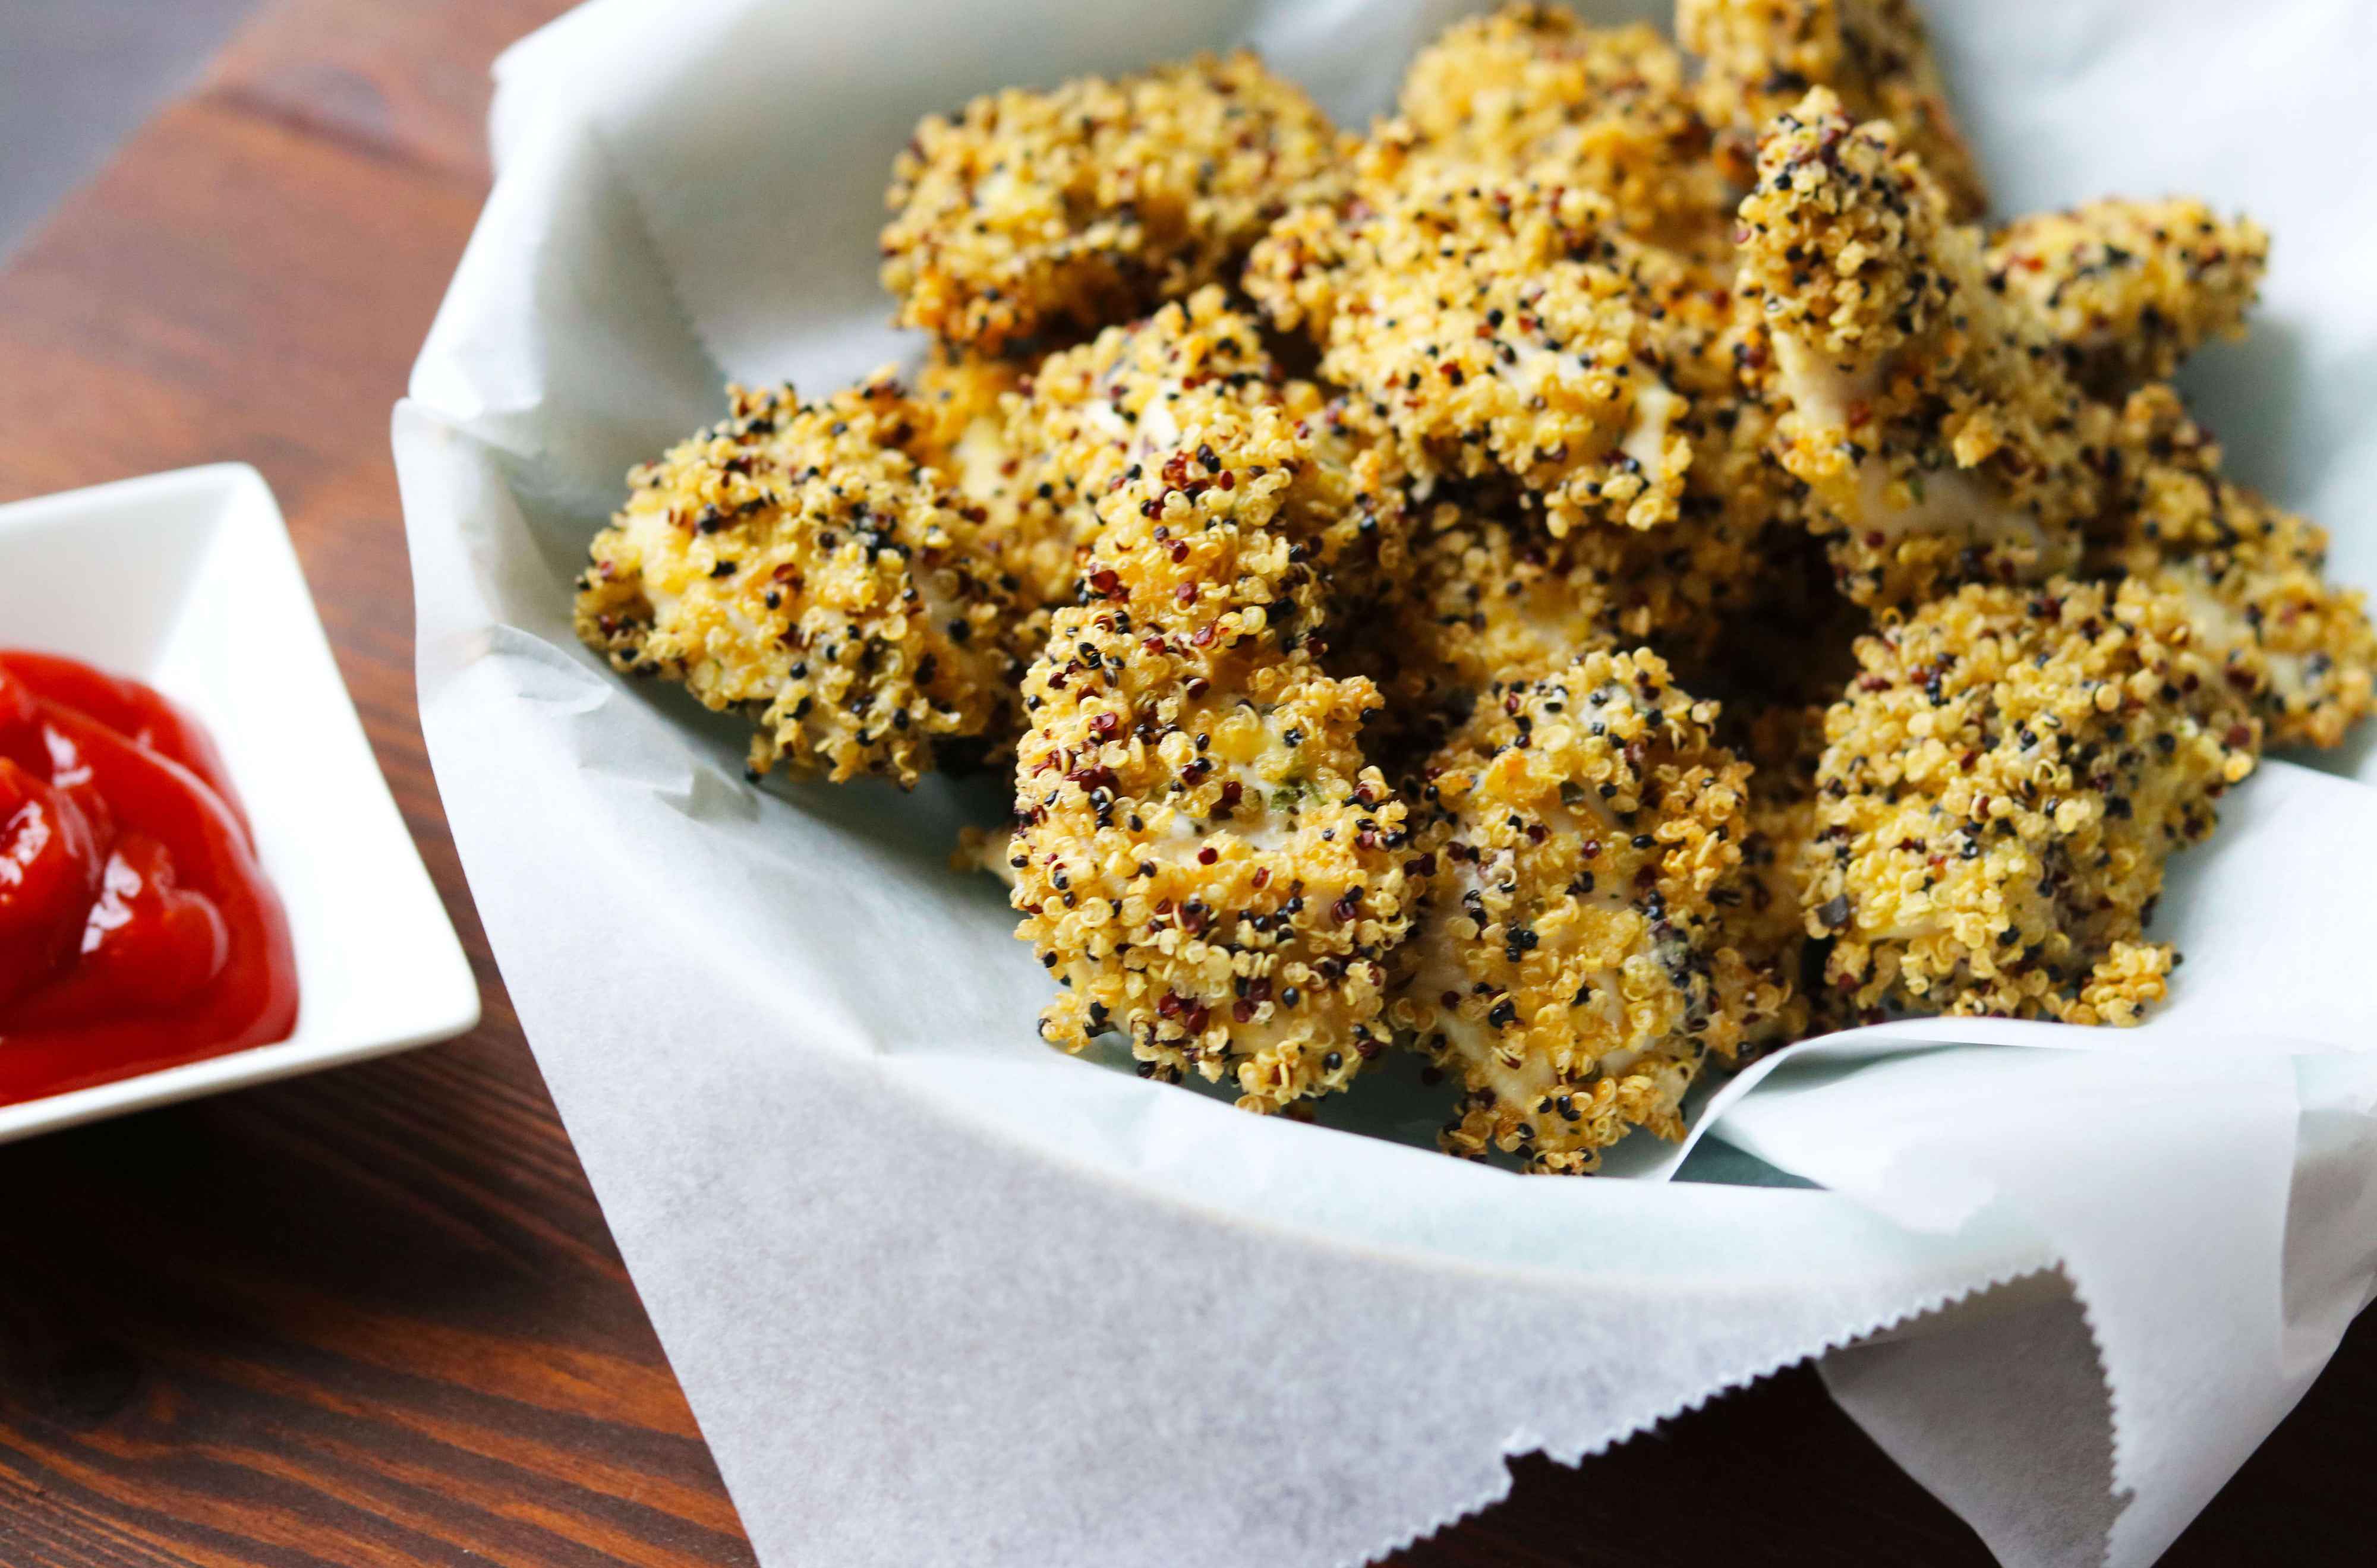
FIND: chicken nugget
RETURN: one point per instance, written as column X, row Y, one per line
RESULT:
column 1998, row 791
column 1087, row 415
column 1203, row 855
column 1531, row 91
column 1931, row 418
column 1072, row 429
column 1575, row 836
column 2131, row 288
column 1495, row 328
column 1035, row 215
column 2253, row 576
column 1760, row 55
column 797, row 563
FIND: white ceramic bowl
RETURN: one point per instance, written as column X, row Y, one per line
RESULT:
column 187, row 581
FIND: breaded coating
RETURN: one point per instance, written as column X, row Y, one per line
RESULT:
column 1302, row 265
column 796, row 562
column 1486, row 600
column 2131, row 288
column 1203, row 854
column 1046, row 214
column 1930, row 417
column 960, row 399
column 1074, row 427
column 1760, row 978
column 2253, row 576
column 1575, row 835
column 1761, row 56
column 1491, row 595
column 1503, row 328
column 1998, row 791
column 1529, row 90
column 1761, row 914
column 1087, row 415
column 963, row 402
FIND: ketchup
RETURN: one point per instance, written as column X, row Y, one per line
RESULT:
column 137, row 929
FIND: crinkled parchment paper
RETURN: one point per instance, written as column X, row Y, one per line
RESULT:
column 941, row 1295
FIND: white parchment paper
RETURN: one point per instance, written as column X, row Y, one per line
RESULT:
column 940, row 1295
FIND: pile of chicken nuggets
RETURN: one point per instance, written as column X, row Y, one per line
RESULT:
column 1620, row 566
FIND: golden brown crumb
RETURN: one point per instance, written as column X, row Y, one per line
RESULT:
column 1485, row 600
column 1762, row 54
column 1072, row 429
column 1491, row 595
column 1493, row 328
column 1529, row 90
column 1998, row 793
column 1760, row 915
column 1930, row 417
column 2251, row 575
column 1203, row 854
column 796, row 564
column 961, row 400
column 2131, row 288
column 1066, row 432
column 1576, row 834
column 1045, row 213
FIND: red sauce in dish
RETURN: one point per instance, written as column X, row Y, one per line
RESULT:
column 136, row 928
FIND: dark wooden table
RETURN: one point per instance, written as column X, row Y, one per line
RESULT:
column 373, row 1317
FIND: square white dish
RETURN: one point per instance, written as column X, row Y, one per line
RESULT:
column 187, row 581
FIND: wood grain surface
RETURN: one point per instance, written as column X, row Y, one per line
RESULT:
column 373, row 1317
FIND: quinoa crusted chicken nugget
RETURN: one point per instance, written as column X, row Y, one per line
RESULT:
column 1576, row 835
column 1496, row 329
column 1486, row 602
column 1074, row 429
column 1531, row 90
column 1760, row 55
column 2253, row 576
column 1202, row 855
column 1929, row 416
column 2129, row 289
column 1085, row 415
column 1998, row 791
column 1040, row 214
column 795, row 562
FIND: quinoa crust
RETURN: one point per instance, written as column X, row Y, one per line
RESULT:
column 1760, row 55
column 1529, row 90
column 2253, row 575
column 1575, row 836
column 1998, row 791
column 2131, row 288
column 1037, row 213
column 1493, row 329
column 796, row 564
column 1931, row 419
column 1203, row 854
